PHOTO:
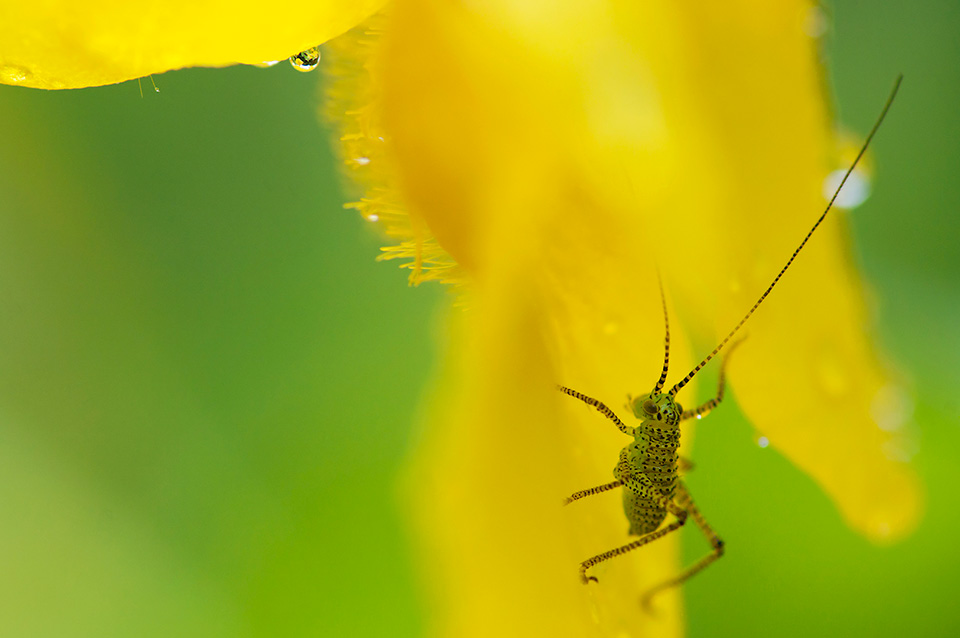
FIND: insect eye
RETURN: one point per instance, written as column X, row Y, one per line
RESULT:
column 649, row 407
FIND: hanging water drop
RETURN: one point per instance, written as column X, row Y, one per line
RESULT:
column 306, row 60
column 855, row 191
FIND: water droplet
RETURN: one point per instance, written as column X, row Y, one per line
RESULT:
column 901, row 448
column 362, row 161
column 815, row 22
column 699, row 416
column 763, row 441
column 306, row 60
column 373, row 217
column 13, row 74
column 855, row 191
column 891, row 408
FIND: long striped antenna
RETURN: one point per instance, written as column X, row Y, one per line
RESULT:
column 863, row 149
column 666, row 340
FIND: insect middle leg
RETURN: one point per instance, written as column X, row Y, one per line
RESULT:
column 600, row 489
column 721, row 386
column 715, row 542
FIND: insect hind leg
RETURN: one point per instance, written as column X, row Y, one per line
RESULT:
column 715, row 542
column 679, row 512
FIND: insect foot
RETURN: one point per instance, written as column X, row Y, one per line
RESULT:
column 586, row 580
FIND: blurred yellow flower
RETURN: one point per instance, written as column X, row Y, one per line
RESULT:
column 66, row 45
column 552, row 157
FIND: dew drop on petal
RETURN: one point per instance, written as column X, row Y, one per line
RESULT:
column 815, row 22
column 306, row 60
column 901, row 448
column 763, row 441
column 891, row 407
column 855, row 191
column 10, row 74
column 373, row 217
column 883, row 529
column 361, row 161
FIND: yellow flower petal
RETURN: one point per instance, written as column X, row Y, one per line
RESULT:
column 563, row 153
column 63, row 45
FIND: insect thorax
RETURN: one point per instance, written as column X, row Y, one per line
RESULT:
column 653, row 453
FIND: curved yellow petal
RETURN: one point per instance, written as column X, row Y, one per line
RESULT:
column 63, row 45
column 518, row 137
column 564, row 153
column 825, row 399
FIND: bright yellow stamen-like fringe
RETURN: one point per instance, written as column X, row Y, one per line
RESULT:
column 354, row 106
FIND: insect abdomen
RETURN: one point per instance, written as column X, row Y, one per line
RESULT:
column 644, row 515
column 653, row 454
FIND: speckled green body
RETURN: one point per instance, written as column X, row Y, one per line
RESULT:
column 652, row 454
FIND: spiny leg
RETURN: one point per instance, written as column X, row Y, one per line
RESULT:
column 576, row 496
column 601, row 408
column 674, row 509
column 721, row 386
column 715, row 542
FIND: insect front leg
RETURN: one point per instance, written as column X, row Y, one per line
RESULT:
column 600, row 407
column 715, row 542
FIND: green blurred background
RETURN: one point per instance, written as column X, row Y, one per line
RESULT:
column 208, row 386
